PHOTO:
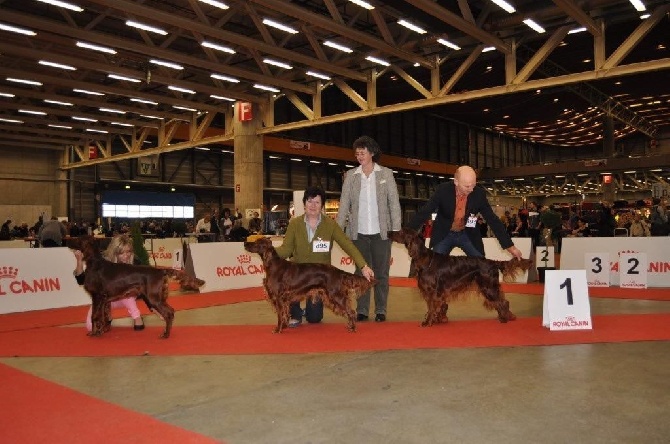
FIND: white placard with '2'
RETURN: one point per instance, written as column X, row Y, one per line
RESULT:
column 566, row 301
column 633, row 270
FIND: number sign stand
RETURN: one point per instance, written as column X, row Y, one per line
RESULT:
column 544, row 257
column 633, row 270
column 566, row 301
column 597, row 267
column 177, row 261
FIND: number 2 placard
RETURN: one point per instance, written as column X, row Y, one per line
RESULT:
column 566, row 301
column 633, row 270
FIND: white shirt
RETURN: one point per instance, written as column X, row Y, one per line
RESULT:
column 202, row 225
column 368, row 210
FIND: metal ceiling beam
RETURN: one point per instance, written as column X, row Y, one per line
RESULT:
column 578, row 14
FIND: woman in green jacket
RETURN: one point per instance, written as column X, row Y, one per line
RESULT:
column 299, row 245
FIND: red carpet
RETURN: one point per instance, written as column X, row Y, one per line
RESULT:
column 333, row 337
column 38, row 411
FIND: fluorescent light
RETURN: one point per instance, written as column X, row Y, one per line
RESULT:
column 166, row 64
column 6, row 95
column 28, row 111
column 58, row 102
column 92, row 130
column 266, row 88
column 645, row 16
column 228, row 99
column 274, row 207
column 27, row 82
column 215, row 4
column 506, row 6
column 134, row 24
column 376, row 60
column 184, row 90
column 202, row 148
column 10, row 120
column 224, row 78
column 57, row 65
column 448, row 44
column 576, row 30
column 84, row 119
column 146, row 116
column 184, row 108
column 362, row 4
column 85, row 91
column 119, row 77
column 295, row 159
column 221, row 48
column 65, row 5
column 317, row 75
column 16, row 29
column 59, row 126
column 338, row 46
column 638, row 5
column 121, row 124
column 489, row 48
column 148, row 102
column 279, row 26
column 411, row 26
column 277, row 63
column 112, row 110
column 96, row 47
column 533, row 25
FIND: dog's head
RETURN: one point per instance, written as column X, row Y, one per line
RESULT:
column 410, row 238
column 262, row 246
column 88, row 245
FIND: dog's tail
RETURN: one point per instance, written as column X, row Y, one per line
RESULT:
column 186, row 281
column 511, row 268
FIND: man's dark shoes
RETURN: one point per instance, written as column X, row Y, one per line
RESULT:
column 380, row 317
column 361, row 317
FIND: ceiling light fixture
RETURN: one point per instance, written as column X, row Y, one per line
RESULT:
column 266, row 88
column 16, row 29
column 214, row 3
column 148, row 102
column 504, row 5
column 24, row 81
column 338, row 46
column 228, row 99
column 279, row 26
column 489, row 48
column 534, row 26
column 120, row 77
column 59, row 126
column 28, row 111
column 112, row 110
column 58, row 102
column 184, row 108
column 146, row 116
column 92, row 130
column 448, row 44
column 121, row 124
column 7, row 95
column 638, row 5
column 221, row 48
column 577, row 30
column 362, row 4
column 138, row 25
column 61, row 4
column 224, row 78
column 84, row 119
column 179, row 89
column 377, row 60
column 318, row 75
column 99, row 48
column 10, row 120
column 277, row 63
column 166, row 64
column 412, row 26
column 86, row 91
column 57, row 65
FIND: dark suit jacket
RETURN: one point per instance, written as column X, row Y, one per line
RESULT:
column 443, row 202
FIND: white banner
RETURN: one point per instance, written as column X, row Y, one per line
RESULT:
column 38, row 279
column 162, row 251
column 656, row 249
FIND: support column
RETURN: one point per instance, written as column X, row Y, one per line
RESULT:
column 248, row 165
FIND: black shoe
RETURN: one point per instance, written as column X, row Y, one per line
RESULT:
column 361, row 317
column 380, row 317
column 138, row 327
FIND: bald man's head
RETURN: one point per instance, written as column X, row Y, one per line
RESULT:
column 465, row 179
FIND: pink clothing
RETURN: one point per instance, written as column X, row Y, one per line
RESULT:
column 129, row 303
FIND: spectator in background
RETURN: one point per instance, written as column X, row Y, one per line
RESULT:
column 216, row 229
column 638, row 226
column 204, row 225
column 51, row 233
column 255, row 224
column 660, row 226
column 582, row 229
column 226, row 223
column 534, row 223
column 238, row 233
column 483, row 226
column 5, row 231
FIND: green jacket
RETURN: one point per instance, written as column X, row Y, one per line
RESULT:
column 296, row 246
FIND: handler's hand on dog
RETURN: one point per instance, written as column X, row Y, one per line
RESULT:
column 514, row 251
column 368, row 273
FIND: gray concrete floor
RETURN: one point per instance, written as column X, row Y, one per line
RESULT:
column 593, row 393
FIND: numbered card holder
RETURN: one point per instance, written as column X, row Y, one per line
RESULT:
column 177, row 260
column 566, row 303
column 597, row 267
column 633, row 270
column 544, row 257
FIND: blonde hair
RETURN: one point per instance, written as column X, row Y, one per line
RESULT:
column 117, row 244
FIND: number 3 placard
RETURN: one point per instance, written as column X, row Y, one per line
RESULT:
column 566, row 301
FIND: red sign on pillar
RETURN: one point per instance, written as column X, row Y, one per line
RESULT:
column 244, row 111
column 607, row 178
column 237, row 188
column 92, row 152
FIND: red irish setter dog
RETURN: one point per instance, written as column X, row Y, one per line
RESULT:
column 286, row 282
column 107, row 281
column 443, row 278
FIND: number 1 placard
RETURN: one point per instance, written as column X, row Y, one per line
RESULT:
column 566, row 301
